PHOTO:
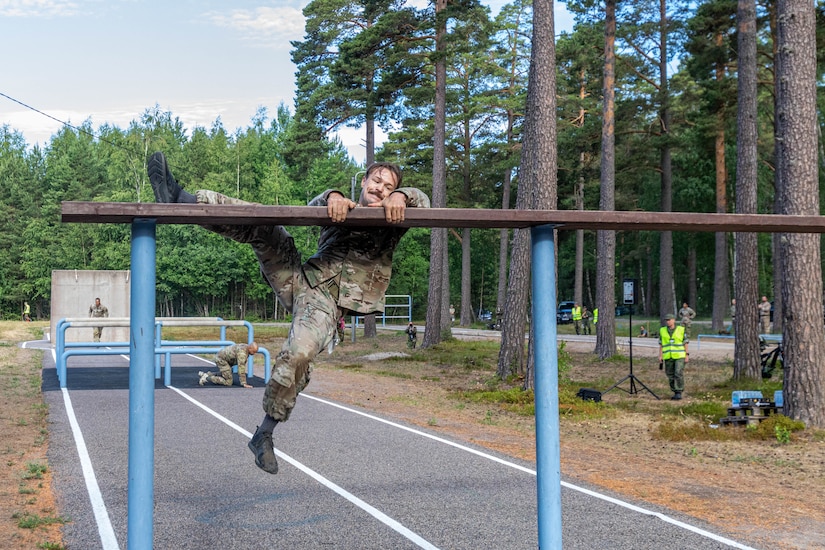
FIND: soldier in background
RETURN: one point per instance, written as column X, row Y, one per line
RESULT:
column 765, row 315
column 236, row 354
column 98, row 310
column 412, row 335
column 686, row 315
column 586, row 317
column 349, row 274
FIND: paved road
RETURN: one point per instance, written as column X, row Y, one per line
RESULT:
column 348, row 479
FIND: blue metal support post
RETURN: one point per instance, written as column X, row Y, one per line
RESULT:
column 548, row 456
column 142, row 387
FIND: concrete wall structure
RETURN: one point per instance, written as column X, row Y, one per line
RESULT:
column 74, row 292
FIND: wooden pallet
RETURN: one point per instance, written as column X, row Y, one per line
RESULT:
column 751, row 413
column 741, row 420
column 761, row 409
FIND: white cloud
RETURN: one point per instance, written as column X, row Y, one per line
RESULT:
column 272, row 26
column 37, row 8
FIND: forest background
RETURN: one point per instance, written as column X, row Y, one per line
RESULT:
column 373, row 63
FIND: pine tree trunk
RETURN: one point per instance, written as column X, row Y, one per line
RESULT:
column 466, row 315
column 439, row 293
column 606, row 240
column 746, row 354
column 537, row 184
column 666, row 297
column 803, row 338
column 721, row 281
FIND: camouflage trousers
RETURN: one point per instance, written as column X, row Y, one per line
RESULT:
column 675, row 371
column 315, row 311
column 225, row 378
column 97, row 333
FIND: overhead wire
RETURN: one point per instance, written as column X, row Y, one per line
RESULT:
column 135, row 156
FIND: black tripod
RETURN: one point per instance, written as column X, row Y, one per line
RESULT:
column 632, row 377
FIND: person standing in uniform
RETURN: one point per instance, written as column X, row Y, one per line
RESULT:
column 236, row 354
column 673, row 354
column 765, row 315
column 586, row 320
column 349, row 274
column 686, row 315
column 342, row 325
column 576, row 313
column 412, row 336
column 27, row 312
column 98, row 310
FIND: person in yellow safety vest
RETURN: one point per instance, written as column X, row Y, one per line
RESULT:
column 595, row 315
column 577, row 317
column 673, row 354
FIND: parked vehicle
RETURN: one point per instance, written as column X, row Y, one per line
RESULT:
column 564, row 313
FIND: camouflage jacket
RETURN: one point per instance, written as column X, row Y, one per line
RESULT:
column 358, row 260
column 98, row 311
column 236, row 354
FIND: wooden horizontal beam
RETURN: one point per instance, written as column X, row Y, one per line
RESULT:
column 206, row 214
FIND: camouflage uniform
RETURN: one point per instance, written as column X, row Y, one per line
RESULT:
column 236, row 354
column 350, row 272
column 98, row 310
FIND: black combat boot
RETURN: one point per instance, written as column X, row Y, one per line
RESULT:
column 261, row 446
column 163, row 183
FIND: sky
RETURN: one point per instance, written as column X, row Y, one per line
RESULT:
column 108, row 61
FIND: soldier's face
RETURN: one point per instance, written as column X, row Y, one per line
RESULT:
column 377, row 186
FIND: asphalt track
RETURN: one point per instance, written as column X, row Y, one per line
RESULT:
column 348, row 479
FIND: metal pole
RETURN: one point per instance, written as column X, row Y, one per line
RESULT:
column 352, row 184
column 548, row 459
column 142, row 387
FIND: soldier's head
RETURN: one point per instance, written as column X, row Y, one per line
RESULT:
column 252, row 348
column 670, row 320
column 97, row 301
column 381, row 179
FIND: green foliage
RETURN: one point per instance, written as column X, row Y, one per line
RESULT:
column 776, row 427
column 35, row 470
column 514, row 400
column 33, row 521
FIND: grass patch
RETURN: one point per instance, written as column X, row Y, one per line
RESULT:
column 708, row 411
column 352, row 366
column 514, row 400
column 33, row 521
column 394, row 374
column 693, row 430
column 778, row 427
column 35, row 470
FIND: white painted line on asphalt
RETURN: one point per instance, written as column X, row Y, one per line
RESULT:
column 612, row 500
column 104, row 525
column 661, row 516
column 371, row 510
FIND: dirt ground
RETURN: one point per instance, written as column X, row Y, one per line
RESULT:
column 28, row 518
column 769, row 493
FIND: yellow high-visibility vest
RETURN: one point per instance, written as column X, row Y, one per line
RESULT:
column 673, row 345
